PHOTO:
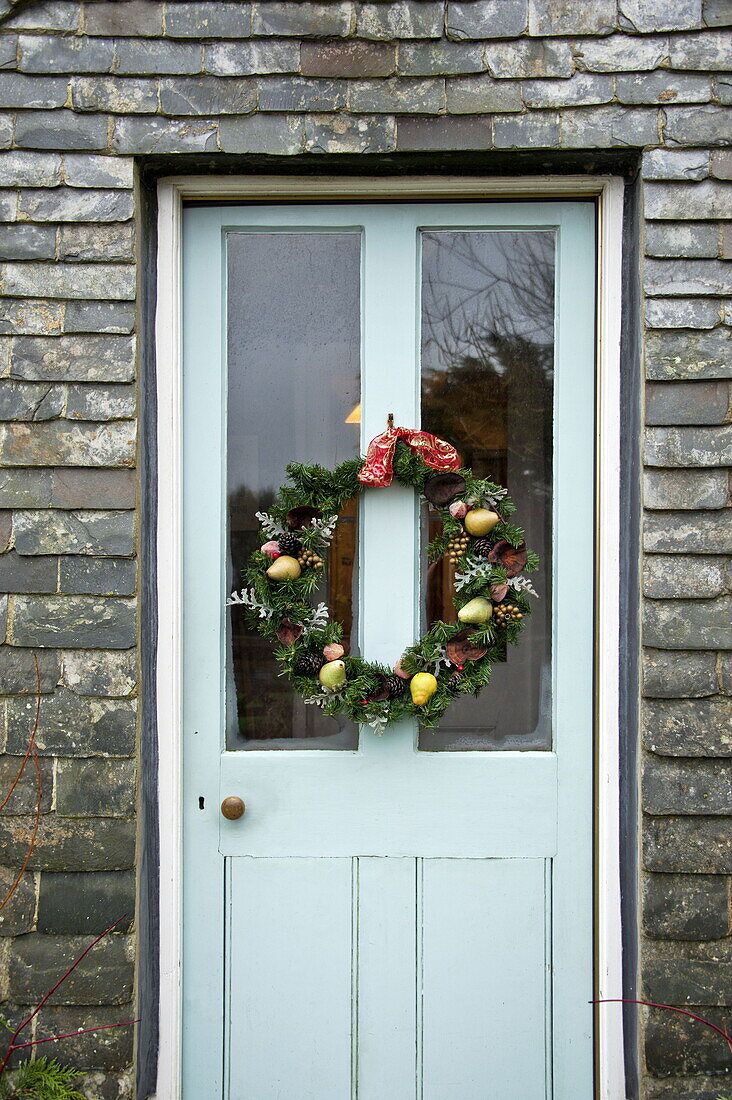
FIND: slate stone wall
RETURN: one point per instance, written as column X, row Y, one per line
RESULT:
column 89, row 90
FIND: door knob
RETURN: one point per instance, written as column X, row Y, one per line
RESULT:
column 232, row 808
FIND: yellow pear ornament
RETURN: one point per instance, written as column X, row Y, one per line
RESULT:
column 423, row 685
column 479, row 521
column 284, row 568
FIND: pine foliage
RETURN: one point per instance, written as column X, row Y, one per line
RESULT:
column 40, row 1079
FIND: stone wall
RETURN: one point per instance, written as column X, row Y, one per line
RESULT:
column 87, row 90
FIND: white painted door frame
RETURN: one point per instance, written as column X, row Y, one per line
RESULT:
column 608, row 192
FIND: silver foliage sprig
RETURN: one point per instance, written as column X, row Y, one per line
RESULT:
column 269, row 524
column 317, row 620
column 472, row 571
column 323, row 697
column 319, row 532
column 247, row 598
column 523, row 584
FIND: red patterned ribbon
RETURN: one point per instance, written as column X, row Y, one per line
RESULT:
column 378, row 469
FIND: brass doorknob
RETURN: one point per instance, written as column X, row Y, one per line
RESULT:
column 232, row 808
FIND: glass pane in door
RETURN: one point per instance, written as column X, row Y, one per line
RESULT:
column 487, row 348
column 294, row 380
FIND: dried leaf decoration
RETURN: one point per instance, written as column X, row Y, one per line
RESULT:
column 443, row 488
column 460, row 649
column 499, row 592
column 299, row 517
column 288, row 632
column 512, row 558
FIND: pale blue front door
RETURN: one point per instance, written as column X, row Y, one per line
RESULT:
column 406, row 916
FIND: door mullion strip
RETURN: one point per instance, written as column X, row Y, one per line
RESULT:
column 419, row 985
column 355, row 942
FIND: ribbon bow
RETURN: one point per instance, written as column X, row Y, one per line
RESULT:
column 378, row 469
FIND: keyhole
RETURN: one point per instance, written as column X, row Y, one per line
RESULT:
column 200, row 802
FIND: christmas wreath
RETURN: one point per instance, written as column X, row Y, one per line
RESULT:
column 491, row 590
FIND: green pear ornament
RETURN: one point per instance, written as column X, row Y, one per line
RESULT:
column 477, row 610
column 332, row 674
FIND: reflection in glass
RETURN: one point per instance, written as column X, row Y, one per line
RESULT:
column 293, row 350
column 487, row 387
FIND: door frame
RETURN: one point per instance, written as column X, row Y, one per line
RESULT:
column 608, row 193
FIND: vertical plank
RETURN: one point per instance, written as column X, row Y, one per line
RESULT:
column 387, row 980
column 484, row 963
column 291, row 967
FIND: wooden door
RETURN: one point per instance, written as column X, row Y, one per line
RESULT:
column 407, row 915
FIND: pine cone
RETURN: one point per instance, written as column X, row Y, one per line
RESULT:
column 481, row 547
column 454, row 682
column 309, row 664
column 289, row 544
column 395, row 686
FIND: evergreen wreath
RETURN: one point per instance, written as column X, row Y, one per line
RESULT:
column 491, row 591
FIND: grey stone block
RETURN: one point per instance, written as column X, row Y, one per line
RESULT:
column 676, row 355
column 721, row 164
column 25, row 488
column 690, row 845
column 558, row 17
column 76, row 205
column 6, row 131
column 697, row 126
column 620, row 53
column 95, row 788
column 27, row 242
column 679, row 675
column 119, row 95
column 293, row 93
column 26, row 169
column 73, row 359
column 97, row 576
column 88, row 488
column 537, row 130
column 66, row 844
column 3, row 617
column 247, row 58
column 17, row 90
column 664, row 87
column 435, row 134
column 19, row 914
column 72, row 725
column 682, row 239
column 85, row 904
column 676, row 164
column 686, row 786
column 700, row 51
column 643, row 16
column 94, row 672
column 306, row 20
column 97, row 402
column 47, row 531
column 440, row 58
column 341, row 59
column 398, row 95
column 184, row 19
column 687, row 624
column 474, row 95
column 111, row 1049
column 6, row 526
column 684, row 489
column 689, row 727
column 68, row 441
column 108, row 1086
column 21, row 574
column 667, row 578
column 112, row 317
column 695, row 973
column 77, row 622
column 704, row 313
column 681, row 532
column 486, row 19
column 701, row 446
column 135, row 55
column 158, row 135
column 9, row 51
column 72, row 54
column 69, row 280
column 583, row 88
column 725, row 250
column 716, row 13
column 684, row 907
column 18, row 670
column 687, row 402
column 688, row 201
column 93, row 170
column 341, row 134
column 135, row 18
column 49, row 16
column 675, row 1045
column 104, row 976
column 30, row 401
column 29, row 316
column 400, row 19
column 111, row 241
column 24, row 798
column 593, row 127
column 278, row 134
column 60, row 130
column 526, row 58
column 207, row 95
